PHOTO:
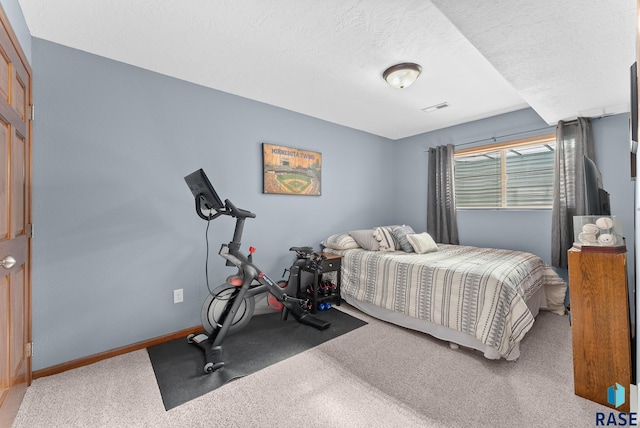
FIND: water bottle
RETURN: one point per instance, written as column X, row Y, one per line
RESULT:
column 327, row 306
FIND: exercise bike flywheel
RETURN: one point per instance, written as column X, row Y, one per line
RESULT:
column 215, row 306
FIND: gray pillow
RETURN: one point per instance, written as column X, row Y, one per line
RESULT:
column 340, row 241
column 400, row 234
column 365, row 239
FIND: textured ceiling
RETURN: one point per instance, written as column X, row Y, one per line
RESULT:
column 325, row 58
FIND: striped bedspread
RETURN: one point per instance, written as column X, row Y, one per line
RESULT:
column 479, row 291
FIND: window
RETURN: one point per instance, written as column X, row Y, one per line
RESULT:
column 518, row 174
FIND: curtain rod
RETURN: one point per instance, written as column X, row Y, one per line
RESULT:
column 495, row 138
column 566, row 122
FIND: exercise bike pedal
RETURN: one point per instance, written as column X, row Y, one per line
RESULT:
column 197, row 339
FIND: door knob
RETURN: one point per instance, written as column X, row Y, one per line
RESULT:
column 8, row 262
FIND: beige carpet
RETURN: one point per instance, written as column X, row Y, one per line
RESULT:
column 379, row 375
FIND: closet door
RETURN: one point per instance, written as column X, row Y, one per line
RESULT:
column 15, row 227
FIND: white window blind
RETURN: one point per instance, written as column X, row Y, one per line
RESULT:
column 511, row 175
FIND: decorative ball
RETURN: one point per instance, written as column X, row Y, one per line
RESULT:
column 606, row 239
column 587, row 238
column 604, row 223
column 590, row 228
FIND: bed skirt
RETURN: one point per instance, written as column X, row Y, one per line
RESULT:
column 537, row 301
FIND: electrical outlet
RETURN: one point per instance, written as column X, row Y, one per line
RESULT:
column 178, row 296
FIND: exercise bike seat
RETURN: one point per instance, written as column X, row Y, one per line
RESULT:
column 303, row 250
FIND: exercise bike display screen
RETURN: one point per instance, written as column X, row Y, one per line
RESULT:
column 202, row 188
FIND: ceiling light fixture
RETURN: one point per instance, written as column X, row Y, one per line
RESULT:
column 402, row 75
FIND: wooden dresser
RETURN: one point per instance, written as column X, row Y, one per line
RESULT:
column 600, row 324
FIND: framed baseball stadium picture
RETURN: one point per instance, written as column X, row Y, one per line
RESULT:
column 289, row 171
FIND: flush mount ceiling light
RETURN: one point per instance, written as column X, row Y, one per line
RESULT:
column 402, row 75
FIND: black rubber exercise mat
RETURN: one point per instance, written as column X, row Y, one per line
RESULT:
column 179, row 366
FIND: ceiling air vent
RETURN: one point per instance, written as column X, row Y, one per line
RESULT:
column 435, row 107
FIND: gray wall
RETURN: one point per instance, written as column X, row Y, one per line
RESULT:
column 116, row 230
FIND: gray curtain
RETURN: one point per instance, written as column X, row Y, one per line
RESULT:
column 574, row 140
column 442, row 223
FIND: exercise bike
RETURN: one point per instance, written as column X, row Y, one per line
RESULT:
column 229, row 307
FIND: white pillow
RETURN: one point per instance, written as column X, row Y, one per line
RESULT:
column 422, row 243
column 385, row 238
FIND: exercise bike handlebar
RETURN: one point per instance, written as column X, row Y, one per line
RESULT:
column 237, row 212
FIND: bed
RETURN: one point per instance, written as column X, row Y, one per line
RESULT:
column 482, row 298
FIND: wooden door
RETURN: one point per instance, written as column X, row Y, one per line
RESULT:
column 15, row 223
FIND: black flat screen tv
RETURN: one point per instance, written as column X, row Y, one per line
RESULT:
column 633, row 119
column 201, row 188
column 597, row 199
